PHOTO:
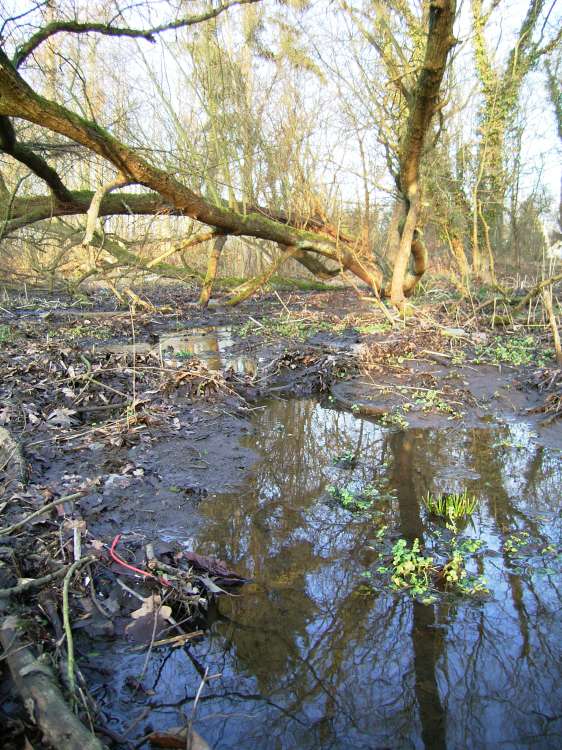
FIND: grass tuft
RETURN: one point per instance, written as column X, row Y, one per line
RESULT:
column 451, row 506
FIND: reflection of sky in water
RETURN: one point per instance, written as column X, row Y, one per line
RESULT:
column 311, row 657
column 211, row 345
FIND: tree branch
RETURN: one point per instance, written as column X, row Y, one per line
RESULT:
column 9, row 145
column 94, row 209
column 76, row 27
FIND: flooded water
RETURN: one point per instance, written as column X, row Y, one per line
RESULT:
column 210, row 344
column 318, row 651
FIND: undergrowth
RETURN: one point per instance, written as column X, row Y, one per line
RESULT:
column 6, row 334
column 286, row 328
column 515, row 350
column 452, row 506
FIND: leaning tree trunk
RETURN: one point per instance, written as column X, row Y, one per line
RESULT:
column 425, row 101
column 212, row 268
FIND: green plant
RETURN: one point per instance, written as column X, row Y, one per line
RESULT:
column 85, row 330
column 374, row 328
column 395, row 419
column 454, row 571
column 357, row 501
column 459, row 357
column 6, row 334
column 347, row 459
column 283, row 283
column 286, row 328
column 452, row 506
column 399, row 360
column 514, row 542
column 419, row 574
column 515, row 350
column 183, row 354
column 431, row 400
column 507, row 443
column 410, row 569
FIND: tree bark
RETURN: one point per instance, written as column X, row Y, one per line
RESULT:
column 425, row 100
column 212, row 268
column 41, row 695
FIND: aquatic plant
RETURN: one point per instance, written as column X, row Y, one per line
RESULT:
column 346, row 459
column 451, row 506
column 430, row 400
column 412, row 570
column 515, row 350
column 515, row 541
column 351, row 500
column 394, row 419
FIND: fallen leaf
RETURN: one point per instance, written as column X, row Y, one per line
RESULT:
column 144, row 627
column 177, row 737
column 150, row 605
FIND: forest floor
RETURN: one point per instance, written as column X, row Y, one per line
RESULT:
column 138, row 415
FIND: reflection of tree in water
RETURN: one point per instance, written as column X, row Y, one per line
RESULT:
column 409, row 454
column 504, row 657
column 354, row 668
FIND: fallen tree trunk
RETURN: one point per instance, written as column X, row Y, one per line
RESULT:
column 18, row 99
column 41, row 695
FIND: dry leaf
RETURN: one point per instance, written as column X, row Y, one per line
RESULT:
column 150, row 605
column 176, row 737
column 143, row 626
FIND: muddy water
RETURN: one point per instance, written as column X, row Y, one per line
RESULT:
column 315, row 653
column 211, row 345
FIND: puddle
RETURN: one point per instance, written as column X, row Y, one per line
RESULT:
column 314, row 653
column 210, row 344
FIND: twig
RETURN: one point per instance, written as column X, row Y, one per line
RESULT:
column 45, row 509
column 189, row 735
column 282, row 303
column 66, row 619
column 34, row 583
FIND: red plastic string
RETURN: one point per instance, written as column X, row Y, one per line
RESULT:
column 115, row 557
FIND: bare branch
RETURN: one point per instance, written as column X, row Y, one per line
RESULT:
column 10, row 145
column 94, row 209
column 77, row 27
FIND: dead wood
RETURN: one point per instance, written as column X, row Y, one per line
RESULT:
column 40, row 693
column 547, row 302
column 33, row 583
column 12, row 463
